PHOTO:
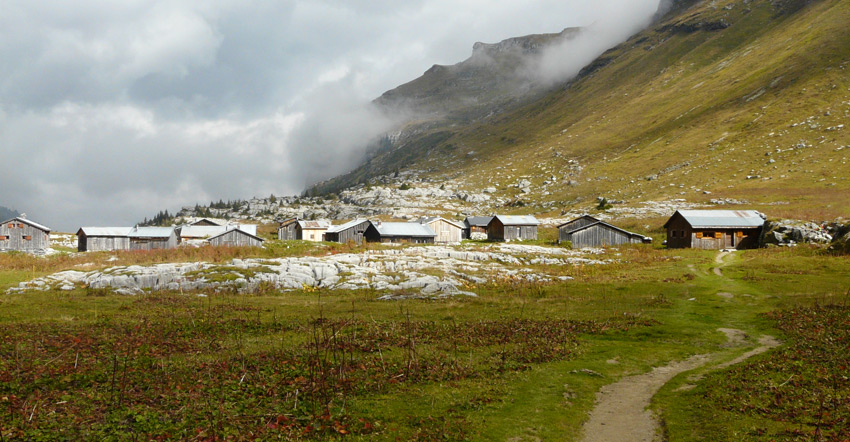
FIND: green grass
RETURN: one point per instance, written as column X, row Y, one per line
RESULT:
column 519, row 362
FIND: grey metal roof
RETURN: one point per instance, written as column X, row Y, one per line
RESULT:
column 603, row 223
column 26, row 221
column 478, row 221
column 314, row 225
column 346, row 226
column 722, row 218
column 404, row 229
column 216, row 221
column 576, row 219
column 518, row 220
column 151, row 232
column 236, row 230
column 105, row 231
column 210, row 231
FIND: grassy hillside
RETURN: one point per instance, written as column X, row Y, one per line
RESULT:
column 723, row 99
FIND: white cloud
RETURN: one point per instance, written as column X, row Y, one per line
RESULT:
column 111, row 111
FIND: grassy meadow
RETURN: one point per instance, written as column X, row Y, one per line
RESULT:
column 520, row 362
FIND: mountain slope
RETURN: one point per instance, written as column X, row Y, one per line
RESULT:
column 714, row 93
column 6, row 213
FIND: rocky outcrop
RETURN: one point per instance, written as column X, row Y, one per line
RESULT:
column 432, row 272
column 790, row 232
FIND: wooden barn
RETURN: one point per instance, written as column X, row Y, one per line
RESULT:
column 587, row 231
column 22, row 235
column 286, row 230
column 311, row 230
column 153, row 238
column 512, row 227
column 475, row 227
column 714, row 229
column 96, row 239
column 352, row 231
column 448, row 232
column 236, row 238
column 414, row 233
column 197, row 234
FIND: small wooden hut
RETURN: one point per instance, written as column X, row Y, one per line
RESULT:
column 414, row 233
column 714, row 229
column 96, row 239
column 448, row 232
column 352, row 231
column 153, row 238
column 475, row 227
column 22, row 235
column 307, row 230
column 236, row 238
column 286, row 230
column 512, row 227
column 587, row 231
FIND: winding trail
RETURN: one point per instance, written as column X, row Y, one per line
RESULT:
column 621, row 412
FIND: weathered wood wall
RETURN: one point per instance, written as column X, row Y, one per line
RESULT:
column 353, row 234
column 576, row 224
column 446, row 232
column 287, row 231
column 20, row 236
column 154, row 243
column 235, row 238
column 598, row 236
column 102, row 243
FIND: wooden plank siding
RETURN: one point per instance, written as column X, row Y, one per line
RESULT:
column 17, row 235
column 577, row 223
column 599, row 235
column 155, row 243
column 236, row 238
column 680, row 234
column 102, row 243
column 446, row 232
column 354, row 234
column 287, row 230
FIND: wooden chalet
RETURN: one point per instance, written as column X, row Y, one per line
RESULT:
column 236, row 238
column 352, row 231
column 414, row 233
column 475, row 227
column 512, row 227
column 587, row 231
column 22, row 235
column 153, row 238
column 97, row 239
column 448, row 232
column 286, row 230
column 714, row 229
column 197, row 234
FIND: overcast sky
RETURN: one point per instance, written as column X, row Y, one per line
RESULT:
column 113, row 110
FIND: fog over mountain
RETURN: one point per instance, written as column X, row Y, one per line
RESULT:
column 112, row 111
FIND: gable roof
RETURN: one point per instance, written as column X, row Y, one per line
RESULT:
column 430, row 219
column 478, row 221
column 105, row 231
column 238, row 231
column 288, row 221
column 314, row 225
column 26, row 221
column 594, row 220
column 346, row 226
column 209, row 231
column 215, row 221
column 705, row 219
column 517, row 220
column 151, row 232
column 610, row 226
column 404, row 229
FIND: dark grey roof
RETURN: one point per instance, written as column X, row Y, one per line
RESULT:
column 477, row 221
column 236, row 230
column 603, row 223
column 346, row 226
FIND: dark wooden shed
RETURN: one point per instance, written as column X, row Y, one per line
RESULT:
column 287, row 230
column 352, row 231
column 475, row 227
column 714, row 229
column 587, row 231
column 512, row 227
column 236, row 238
column 22, row 235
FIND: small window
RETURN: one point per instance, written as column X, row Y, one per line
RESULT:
column 4, row 238
column 20, row 225
column 718, row 235
column 739, row 234
column 27, row 238
column 11, row 225
column 699, row 234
